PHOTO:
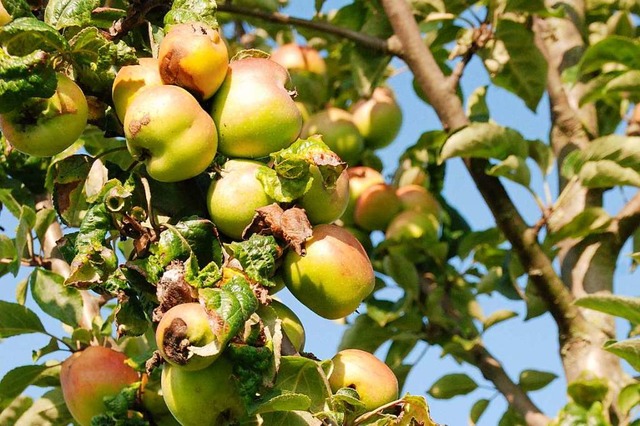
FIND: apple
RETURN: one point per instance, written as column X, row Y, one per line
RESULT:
column 325, row 204
column 167, row 129
column 334, row 276
column 194, row 56
column 5, row 18
column 376, row 206
column 43, row 127
column 130, row 80
column 378, row 118
column 413, row 224
column 307, row 69
column 204, row 397
column 371, row 378
column 183, row 326
column 360, row 178
column 254, row 111
column 87, row 377
column 152, row 400
column 291, row 324
column 279, row 284
column 232, row 199
column 338, row 132
column 362, row 236
column 417, row 197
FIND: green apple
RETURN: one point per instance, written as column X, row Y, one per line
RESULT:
column 87, row 377
column 194, row 56
column 308, row 72
column 130, row 80
column 413, row 225
column 417, row 197
column 204, row 397
column 152, row 400
column 254, row 111
column 167, row 129
column 360, row 178
column 371, row 378
column 43, row 127
column 233, row 198
column 378, row 118
column 182, row 327
column 291, row 324
column 334, row 276
column 325, row 204
column 338, row 131
column 376, row 206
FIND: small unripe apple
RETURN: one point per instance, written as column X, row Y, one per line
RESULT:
column 43, row 127
column 234, row 197
column 130, row 80
column 194, row 56
column 183, row 326
column 254, row 111
column 417, row 197
column 378, row 118
column 371, row 378
column 334, row 276
column 376, row 206
column 153, row 402
column 204, row 397
column 291, row 324
column 87, row 377
column 338, row 132
column 308, row 71
column 325, row 204
column 168, row 130
column 360, row 178
column 5, row 18
column 413, row 225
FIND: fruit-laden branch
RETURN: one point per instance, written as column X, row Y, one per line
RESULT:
column 389, row 46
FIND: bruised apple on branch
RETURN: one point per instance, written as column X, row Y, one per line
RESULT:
column 204, row 397
column 43, row 127
column 378, row 118
column 254, row 111
column 194, row 57
column 89, row 376
column 291, row 324
column 338, row 132
column 325, row 204
column 130, row 80
column 371, row 378
column 167, row 129
column 182, row 328
column 334, row 276
column 233, row 198
column 376, row 206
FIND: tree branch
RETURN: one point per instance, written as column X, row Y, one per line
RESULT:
column 389, row 46
column 627, row 220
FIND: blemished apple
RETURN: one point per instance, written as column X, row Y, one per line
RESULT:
column 130, row 80
column 44, row 127
column 334, row 276
column 325, row 204
column 182, row 323
column 360, row 178
column 254, row 111
column 371, row 378
column 203, row 397
column 338, row 131
column 376, row 206
column 167, row 129
column 87, row 377
column 193, row 56
column 232, row 199
column 417, row 197
column 378, row 118
column 291, row 324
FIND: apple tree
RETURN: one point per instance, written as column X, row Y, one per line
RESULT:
column 172, row 165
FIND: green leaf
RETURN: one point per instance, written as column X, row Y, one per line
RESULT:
column 303, row 376
column 49, row 348
column 616, row 50
column 628, row 81
column 477, row 410
column 279, row 400
column 542, row 154
column 477, row 108
column 26, row 223
column 18, row 379
column 367, row 68
column 26, row 35
column 592, row 220
column 184, row 11
column 607, row 173
column 69, row 13
column 629, row 397
column 513, row 168
column 44, row 218
column 17, row 8
column 24, row 77
column 8, row 256
column 576, row 414
column 531, row 6
column 531, row 380
column 497, row 317
column 365, row 334
column 48, row 410
column 10, row 414
column 66, row 178
column 619, row 306
column 484, row 140
column 290, row 418
column 452, row 385
column 587, row 391
column 415, row 410
column 536, row 305
column 258, row 256
column 628, row 350
column 61, row 302
column 16, row 319
column 402, row 270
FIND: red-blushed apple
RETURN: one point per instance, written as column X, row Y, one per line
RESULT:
column 360, row 178
column 87, row 377
column 378, row 118
column 291, row 324
column 234, row 197
column 363, row 236
column 413, row 225
column 371, row 378
column 334, row 276
column 308, row 72
column 253, row 110
column 43, row 127
column 181, row 327
column 194, row 56
column 376, row 206
column 338, row 132
column 325, row 204
column 167, row 129
column 204, row 397
column 130, row 80
column 417, row 197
